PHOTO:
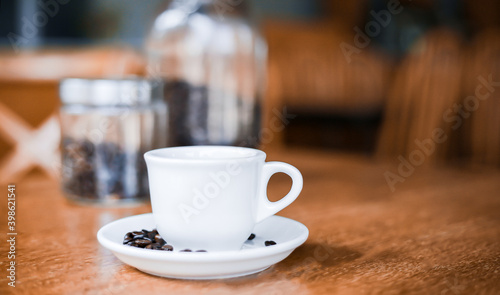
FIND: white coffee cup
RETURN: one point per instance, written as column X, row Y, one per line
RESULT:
column 210, row 197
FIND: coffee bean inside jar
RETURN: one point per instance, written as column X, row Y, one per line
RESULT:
column 102, row 171
column 199, row 115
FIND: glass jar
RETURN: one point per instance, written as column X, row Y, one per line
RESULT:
column 107, row 126
column 214, row 67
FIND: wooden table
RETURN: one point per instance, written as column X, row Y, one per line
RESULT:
column 437, row 233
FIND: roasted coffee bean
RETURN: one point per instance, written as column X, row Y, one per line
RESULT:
column 160, row 241
column 156, row 246
column 269, row 243
column 150, row 246
column 186, row 250
column 142, row 242
column 143, row 238
column 167, row 248
column 128, row 237
column 151, row 235
column 201, row 250
column 251, row 237
column 137, row 234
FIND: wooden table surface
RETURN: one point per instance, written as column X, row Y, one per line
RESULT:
column 437, row 233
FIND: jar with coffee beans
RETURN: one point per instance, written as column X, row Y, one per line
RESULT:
column 107, row 125
column 214, row 64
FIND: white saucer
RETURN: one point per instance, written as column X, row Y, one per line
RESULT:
column 252, row 258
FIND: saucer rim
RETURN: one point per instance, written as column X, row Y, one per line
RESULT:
column 221, row 256
column 208, row 277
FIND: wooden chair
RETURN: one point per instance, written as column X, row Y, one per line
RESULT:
column 309, row 72
column 29, row 101
column 482, row 144
column 426, row 85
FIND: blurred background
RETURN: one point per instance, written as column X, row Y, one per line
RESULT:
column 376, row 77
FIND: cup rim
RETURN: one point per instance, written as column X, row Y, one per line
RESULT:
column 154, row 155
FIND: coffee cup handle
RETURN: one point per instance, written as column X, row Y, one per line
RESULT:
column 266, row 208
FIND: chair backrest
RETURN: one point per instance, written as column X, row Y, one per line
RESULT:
column 309, row 72
column 426, row 85
column 481, row 92
column 315, row 73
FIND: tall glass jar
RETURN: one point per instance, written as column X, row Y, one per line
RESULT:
column 214, row 66
column 107, row 126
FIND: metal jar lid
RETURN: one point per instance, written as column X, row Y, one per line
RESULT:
column 110, row 92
